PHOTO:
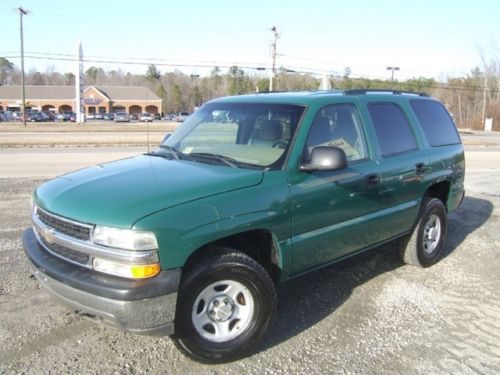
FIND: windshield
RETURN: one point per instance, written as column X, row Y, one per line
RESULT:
column 247, row 134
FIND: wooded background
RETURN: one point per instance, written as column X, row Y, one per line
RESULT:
column 469, row 98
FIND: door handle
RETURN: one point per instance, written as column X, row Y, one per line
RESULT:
column 420, row 169
column 373, row 180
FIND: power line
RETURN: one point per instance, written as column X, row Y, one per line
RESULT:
column 145, row 60
column 202, row 63
column 296, row 70
column 151, row 59
column 344, row 64
column 182, row 64
column 172, row 64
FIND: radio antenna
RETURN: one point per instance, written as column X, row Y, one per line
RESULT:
column 147, row 122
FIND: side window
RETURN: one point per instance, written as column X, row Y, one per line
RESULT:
column 339, row 125
column 392, row 128
column 438, row 127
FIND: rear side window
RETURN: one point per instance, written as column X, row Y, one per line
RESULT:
column 392, row 128
column 436, row 122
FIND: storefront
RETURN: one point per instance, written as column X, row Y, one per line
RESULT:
column 96, row 99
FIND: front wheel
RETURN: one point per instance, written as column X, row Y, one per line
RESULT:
column 425, row 245
column 226, row 303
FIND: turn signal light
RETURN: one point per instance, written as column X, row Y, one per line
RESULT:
column 131, row 271
column 145, row 270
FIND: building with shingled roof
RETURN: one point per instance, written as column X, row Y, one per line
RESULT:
column 96, row 99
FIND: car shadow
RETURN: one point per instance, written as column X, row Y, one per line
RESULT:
column 306, row 300
column 471, row 215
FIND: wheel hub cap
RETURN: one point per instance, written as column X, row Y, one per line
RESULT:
column 221, row 308
column 432, row 234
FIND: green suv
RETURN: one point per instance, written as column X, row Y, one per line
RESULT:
column 191, row 240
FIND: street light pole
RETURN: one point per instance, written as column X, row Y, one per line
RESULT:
column 392, row 68
column 22, row 13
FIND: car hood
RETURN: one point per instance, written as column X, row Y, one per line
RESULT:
column 121, row 192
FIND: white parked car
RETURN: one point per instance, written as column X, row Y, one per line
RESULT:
column 146, row 117
column 122, row 117
column 182, row 116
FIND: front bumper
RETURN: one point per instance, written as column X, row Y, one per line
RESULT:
column 144, row 306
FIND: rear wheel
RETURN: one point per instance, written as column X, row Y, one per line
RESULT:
column 226, row 303
column 425, row 245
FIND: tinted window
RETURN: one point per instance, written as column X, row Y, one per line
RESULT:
column 339, row 125
column 392, row 128
column 436, row 122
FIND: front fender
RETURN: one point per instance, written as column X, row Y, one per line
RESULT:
column 183, row 229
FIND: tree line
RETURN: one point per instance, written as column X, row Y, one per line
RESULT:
column 469, row 98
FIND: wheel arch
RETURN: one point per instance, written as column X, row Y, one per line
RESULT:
column 259, row 244
column 439, row 190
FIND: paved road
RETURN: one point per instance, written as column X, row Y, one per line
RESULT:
column 481, row 137
column 51, row 162
column 80, row 139
column 483, row 170
column 483, row 163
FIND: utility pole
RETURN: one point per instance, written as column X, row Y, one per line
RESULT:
column 392, row 68
column 273, row 54
column 483, row 119
column 22, row 13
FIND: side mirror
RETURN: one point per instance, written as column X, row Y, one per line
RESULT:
column 325, row 158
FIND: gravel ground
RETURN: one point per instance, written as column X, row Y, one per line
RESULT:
column 370, row 314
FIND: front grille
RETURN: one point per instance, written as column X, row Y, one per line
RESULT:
column 69, row 254
column 68, row 228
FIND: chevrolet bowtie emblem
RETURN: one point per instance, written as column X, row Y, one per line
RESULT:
column 48, row 234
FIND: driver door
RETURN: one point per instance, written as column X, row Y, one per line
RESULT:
column 332, row 210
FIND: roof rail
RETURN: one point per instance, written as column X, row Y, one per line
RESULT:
column 383, row 91
column 269, row 92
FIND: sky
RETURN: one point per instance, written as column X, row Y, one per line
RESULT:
column 439, row 38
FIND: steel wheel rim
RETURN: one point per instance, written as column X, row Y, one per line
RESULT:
column 223, row 310
column 431, row 234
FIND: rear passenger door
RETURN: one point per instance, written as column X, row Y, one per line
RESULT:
column 402, row 168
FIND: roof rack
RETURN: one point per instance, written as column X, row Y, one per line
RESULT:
column 383, row 91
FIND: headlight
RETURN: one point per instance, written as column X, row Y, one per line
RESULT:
column 124, row 238
column 134, row 271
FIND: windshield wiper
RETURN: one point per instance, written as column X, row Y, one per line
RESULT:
column 176, row 153
column 230, row 162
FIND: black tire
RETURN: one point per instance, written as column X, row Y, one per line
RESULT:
column 209, row 276
column 424, row 247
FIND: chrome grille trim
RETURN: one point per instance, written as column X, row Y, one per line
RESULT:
column 71, row 228
column 52, row 235
column 49, row 250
